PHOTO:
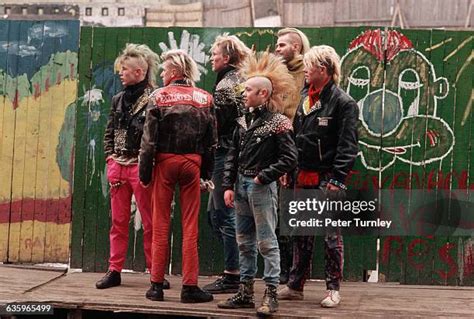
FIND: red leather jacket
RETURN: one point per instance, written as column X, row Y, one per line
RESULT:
column 180, row 119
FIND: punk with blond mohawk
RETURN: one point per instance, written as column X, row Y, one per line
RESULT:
column 262, row 151
column 137, row 66
column 145, row 58
column 269, row 66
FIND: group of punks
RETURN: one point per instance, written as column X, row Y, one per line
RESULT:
column 273, row 121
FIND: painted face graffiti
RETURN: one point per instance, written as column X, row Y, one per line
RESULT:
column 397, row 91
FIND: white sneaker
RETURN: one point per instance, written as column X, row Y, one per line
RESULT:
column 332, row 299
column 290, row 294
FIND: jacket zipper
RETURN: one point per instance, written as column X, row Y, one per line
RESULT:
column 320, row 153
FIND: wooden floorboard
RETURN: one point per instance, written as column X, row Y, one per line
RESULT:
column 76, row 290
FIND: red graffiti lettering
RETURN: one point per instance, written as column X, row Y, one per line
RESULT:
column 468, row 260
column 445, row 256
column 431, row 180
column 388, row 248
column 415, row 254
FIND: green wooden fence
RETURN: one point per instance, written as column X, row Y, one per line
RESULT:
column 426, row 78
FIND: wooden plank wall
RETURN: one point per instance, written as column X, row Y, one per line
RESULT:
column 416, row 13
column 443, row 94
column 166, row 15
column 38, row 68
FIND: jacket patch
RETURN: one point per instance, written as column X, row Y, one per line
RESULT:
column 323, row 121
column 175, row 95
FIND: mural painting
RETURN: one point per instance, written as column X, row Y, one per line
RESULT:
column 411, row 140
column 414, row 90
column 38, row 72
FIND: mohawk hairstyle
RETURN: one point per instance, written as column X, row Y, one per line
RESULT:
column 148, row 60
column 271, row 67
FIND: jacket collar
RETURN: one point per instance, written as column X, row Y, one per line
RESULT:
column 179, row 82
column 221, row 74
column 326, row 92
column 261, row 114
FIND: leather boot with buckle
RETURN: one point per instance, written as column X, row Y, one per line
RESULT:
column 244, row 298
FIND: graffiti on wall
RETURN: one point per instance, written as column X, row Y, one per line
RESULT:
column 397, row 91
column 403, row 122
column 38, row 71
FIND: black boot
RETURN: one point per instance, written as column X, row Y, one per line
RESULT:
column 244, row 298
column 286, row 258
column 111, row 279
column 166, row 284
column 194, row 294
column 155, row 292
column 269, row 302
column 226, row 283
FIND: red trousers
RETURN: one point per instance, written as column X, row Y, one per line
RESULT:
column 184, row 170
column 127, row 184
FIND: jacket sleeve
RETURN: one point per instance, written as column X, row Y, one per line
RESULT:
column 287, row 158
column 148, row 143
column 231, row 162
column 347, row 146
column 109, row 130
column 210, row 144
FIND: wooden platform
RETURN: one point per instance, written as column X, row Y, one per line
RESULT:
column 76, row 290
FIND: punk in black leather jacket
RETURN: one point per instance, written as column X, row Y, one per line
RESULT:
column 326, row 135
column 264, row 148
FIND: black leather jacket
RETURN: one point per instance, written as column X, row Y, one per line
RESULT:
column 127, row 116
column 265, row 149
column 180, row 119
column 326, row 137
column 228, row 104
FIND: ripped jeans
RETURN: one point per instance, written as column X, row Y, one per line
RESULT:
column 256, row 220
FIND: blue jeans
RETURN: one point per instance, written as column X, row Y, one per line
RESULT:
column 257, row 218
column 221, row 217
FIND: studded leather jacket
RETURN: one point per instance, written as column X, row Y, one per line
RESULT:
column 326, row 134
column 180, row 120
column 263, row 147
column 125, row 125
column 228, row 104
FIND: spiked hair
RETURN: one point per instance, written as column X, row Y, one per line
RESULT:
column 146, row 59
column 271, row 67
column 184, row 63
column 233, row 47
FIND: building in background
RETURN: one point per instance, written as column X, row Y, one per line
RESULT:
column 453, row 14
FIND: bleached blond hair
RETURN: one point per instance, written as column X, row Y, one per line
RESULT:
column 271, row 67
column 304, row 42
column 233, row 47
column 146, row 59
column 324, row 56
column 183, row 63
